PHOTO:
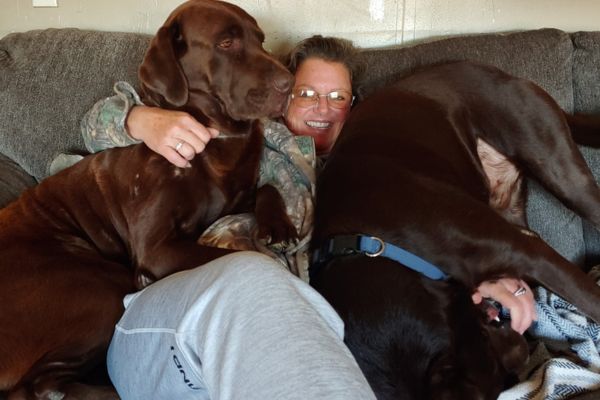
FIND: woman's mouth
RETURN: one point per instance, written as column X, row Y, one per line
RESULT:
column 318, row 124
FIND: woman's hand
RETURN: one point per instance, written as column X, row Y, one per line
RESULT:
column 506, row 292
column 175, row 135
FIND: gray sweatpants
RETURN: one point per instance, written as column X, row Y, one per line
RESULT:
column 239, row 327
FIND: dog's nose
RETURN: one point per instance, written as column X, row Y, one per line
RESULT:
column 283, row 82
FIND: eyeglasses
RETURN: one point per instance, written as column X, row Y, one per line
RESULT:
column 307, row 97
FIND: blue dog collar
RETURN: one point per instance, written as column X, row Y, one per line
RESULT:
column 372, row 246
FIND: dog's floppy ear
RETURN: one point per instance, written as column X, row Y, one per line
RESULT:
column 160, row 72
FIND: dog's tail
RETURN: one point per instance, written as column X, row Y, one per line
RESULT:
column 585, row 129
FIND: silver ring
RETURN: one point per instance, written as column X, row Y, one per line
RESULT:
column 520, row 291
column 178, row 146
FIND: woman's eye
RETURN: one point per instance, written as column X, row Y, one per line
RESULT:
column 307, row 93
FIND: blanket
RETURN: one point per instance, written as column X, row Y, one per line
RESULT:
column 565, row 360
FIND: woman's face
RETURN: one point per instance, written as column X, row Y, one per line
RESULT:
column 318, row 118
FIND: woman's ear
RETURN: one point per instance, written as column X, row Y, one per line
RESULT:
column 161, row 76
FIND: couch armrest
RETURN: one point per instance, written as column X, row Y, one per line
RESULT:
column 13, row 180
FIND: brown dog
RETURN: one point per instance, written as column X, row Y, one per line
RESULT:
column 73, row 246
column 434, row 165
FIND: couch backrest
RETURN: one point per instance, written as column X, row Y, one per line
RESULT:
column 544, row 56
column 586, row 71
column 49, row 79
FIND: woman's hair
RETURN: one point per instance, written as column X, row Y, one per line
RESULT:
column 331, row 49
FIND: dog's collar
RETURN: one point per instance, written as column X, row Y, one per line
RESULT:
column 371, row 246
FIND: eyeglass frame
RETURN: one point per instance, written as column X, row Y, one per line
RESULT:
column 319, row 95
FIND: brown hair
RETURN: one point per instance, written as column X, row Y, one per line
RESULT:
column 329, row 49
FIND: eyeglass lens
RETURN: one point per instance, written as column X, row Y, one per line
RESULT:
column 307, row 97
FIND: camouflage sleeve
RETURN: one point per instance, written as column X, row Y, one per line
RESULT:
column 103, row 126
column 288, row 164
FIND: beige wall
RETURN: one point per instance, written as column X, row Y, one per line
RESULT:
column 367, row 22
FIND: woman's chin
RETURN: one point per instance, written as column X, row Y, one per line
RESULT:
column 322, row 145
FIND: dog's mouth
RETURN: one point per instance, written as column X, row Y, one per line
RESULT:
column 491, row 310
column 267, row 103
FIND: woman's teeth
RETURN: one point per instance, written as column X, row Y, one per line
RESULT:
column 318, row 124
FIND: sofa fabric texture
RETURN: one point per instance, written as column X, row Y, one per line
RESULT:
column 586, row 71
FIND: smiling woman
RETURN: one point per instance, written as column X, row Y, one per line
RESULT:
column 323, row 67
column 319, row 117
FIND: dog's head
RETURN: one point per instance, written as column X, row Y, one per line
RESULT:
column 415, row 338
column 482, row 356
column 208, row 59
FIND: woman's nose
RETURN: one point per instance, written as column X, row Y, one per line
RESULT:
column 322, row 104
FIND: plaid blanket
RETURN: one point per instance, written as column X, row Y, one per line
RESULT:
column 565, row 361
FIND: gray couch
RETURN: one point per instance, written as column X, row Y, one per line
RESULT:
column 49, row 78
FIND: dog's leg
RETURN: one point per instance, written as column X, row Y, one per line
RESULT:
column 62, row 330
column 534, row 133
column 274, row 224
column 57, row 374
column 172, row 256
column 486, row 246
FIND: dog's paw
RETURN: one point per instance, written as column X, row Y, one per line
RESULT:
column 280, row 232
column 273, row 222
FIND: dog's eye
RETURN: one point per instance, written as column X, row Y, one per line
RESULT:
column 225, row 44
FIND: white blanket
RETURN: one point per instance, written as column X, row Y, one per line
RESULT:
column 566, row 361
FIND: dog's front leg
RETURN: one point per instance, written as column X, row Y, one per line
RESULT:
column 274, row 224
column 173, row 256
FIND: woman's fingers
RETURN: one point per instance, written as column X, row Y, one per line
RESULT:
column 514, row 295
column 175, row 135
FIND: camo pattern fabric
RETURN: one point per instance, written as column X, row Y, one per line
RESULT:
column 103, row 126
column 288, row 163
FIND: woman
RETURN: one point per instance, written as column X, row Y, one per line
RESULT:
column 212, row 332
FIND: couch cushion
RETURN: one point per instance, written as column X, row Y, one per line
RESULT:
column 49, row 79
column 544, row 56
column 586, row 71
column 555, row 223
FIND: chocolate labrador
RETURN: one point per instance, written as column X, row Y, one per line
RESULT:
column 73, row 246
column 421, row 200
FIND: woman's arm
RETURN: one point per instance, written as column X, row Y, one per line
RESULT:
column 122, row 120
column 103, row 126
